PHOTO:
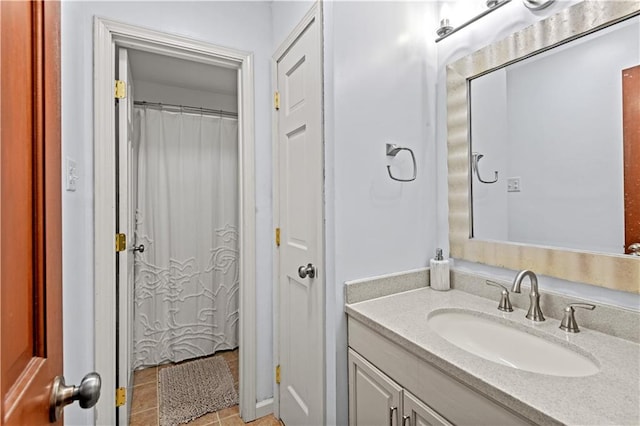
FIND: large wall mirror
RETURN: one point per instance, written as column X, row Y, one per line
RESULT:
column 541, row 129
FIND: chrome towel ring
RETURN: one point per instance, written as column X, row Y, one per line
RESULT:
column 392, row 151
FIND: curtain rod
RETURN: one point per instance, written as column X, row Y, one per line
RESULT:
column 187, row 108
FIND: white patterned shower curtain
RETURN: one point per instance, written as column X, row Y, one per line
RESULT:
column 186, row 280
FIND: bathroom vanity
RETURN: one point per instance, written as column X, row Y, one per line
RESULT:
column 403, row 372
column 422, row 357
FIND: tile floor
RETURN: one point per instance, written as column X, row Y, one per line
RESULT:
column 144, row 406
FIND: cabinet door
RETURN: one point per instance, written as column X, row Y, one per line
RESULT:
column 417, row 413
column 374, row 399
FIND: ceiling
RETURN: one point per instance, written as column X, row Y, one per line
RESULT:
column 180, row 73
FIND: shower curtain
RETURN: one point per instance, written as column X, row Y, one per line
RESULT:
column 186, row 280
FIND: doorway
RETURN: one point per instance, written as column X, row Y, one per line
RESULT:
column 177, row 203
column 114, row 203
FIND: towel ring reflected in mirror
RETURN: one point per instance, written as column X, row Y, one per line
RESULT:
column 475, row 159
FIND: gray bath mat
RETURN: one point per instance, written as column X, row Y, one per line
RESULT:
column 192, row 389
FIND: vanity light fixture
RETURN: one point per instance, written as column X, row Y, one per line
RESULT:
column 445, row 29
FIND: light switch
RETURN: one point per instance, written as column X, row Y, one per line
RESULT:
column 72, row 174
column 513, row 184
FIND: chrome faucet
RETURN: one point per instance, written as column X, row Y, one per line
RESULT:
column 535, row 313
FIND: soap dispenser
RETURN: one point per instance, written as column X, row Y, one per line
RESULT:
column 439, row 272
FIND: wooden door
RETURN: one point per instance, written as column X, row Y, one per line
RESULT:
column 631, row 132
column 30, row 213
column 300, row 185
column 374, row 399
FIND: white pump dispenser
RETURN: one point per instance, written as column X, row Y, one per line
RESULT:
column 439, row 272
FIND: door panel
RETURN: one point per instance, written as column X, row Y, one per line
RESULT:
column 631, row 132
column 300, row 183
column 296, row 148
column 296, row 389
column 17, row 144
column 30, row 213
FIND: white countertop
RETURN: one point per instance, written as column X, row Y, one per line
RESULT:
column 610, row 397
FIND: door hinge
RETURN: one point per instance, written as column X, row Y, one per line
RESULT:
column 276, row 100
column 121, row 396
column 278, row 374
column 121, row 90
column 121, row 242
column 277, row 237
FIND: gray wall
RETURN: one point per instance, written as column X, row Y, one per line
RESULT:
column 379, row 87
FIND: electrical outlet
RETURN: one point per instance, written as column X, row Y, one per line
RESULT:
column 72, row 174
column 513, row 184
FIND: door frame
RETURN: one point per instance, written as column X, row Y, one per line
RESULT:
column 107, row 35
column 313, row 14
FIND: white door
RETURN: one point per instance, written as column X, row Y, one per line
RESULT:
column 374, row 399
column 126, row 225
column 300, row 198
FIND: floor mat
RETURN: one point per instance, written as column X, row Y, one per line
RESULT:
column 192, row 389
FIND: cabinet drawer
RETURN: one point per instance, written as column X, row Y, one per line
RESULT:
column 456, row 402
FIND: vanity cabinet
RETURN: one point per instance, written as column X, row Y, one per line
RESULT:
column 375, row 399
column 387, row 384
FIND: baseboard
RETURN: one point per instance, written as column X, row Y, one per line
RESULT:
column 264, row 407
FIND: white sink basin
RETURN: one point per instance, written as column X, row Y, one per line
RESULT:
column 509, row 344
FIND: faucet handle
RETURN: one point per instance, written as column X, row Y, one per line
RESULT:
column 505, row 303
column 569, row 323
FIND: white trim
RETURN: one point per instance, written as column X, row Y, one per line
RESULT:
column 107, row 34
column 276, row 255
column 264, row 408
column 276, row 224
column 313, row 14
column 104, row 221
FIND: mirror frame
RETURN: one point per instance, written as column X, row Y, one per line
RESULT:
column 614, row 271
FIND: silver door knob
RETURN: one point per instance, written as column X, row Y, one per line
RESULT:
column 634, row 249
column 307, row 271
column 62, row 395
column 139, row 248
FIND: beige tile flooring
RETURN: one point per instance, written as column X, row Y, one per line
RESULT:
column 144, row 406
